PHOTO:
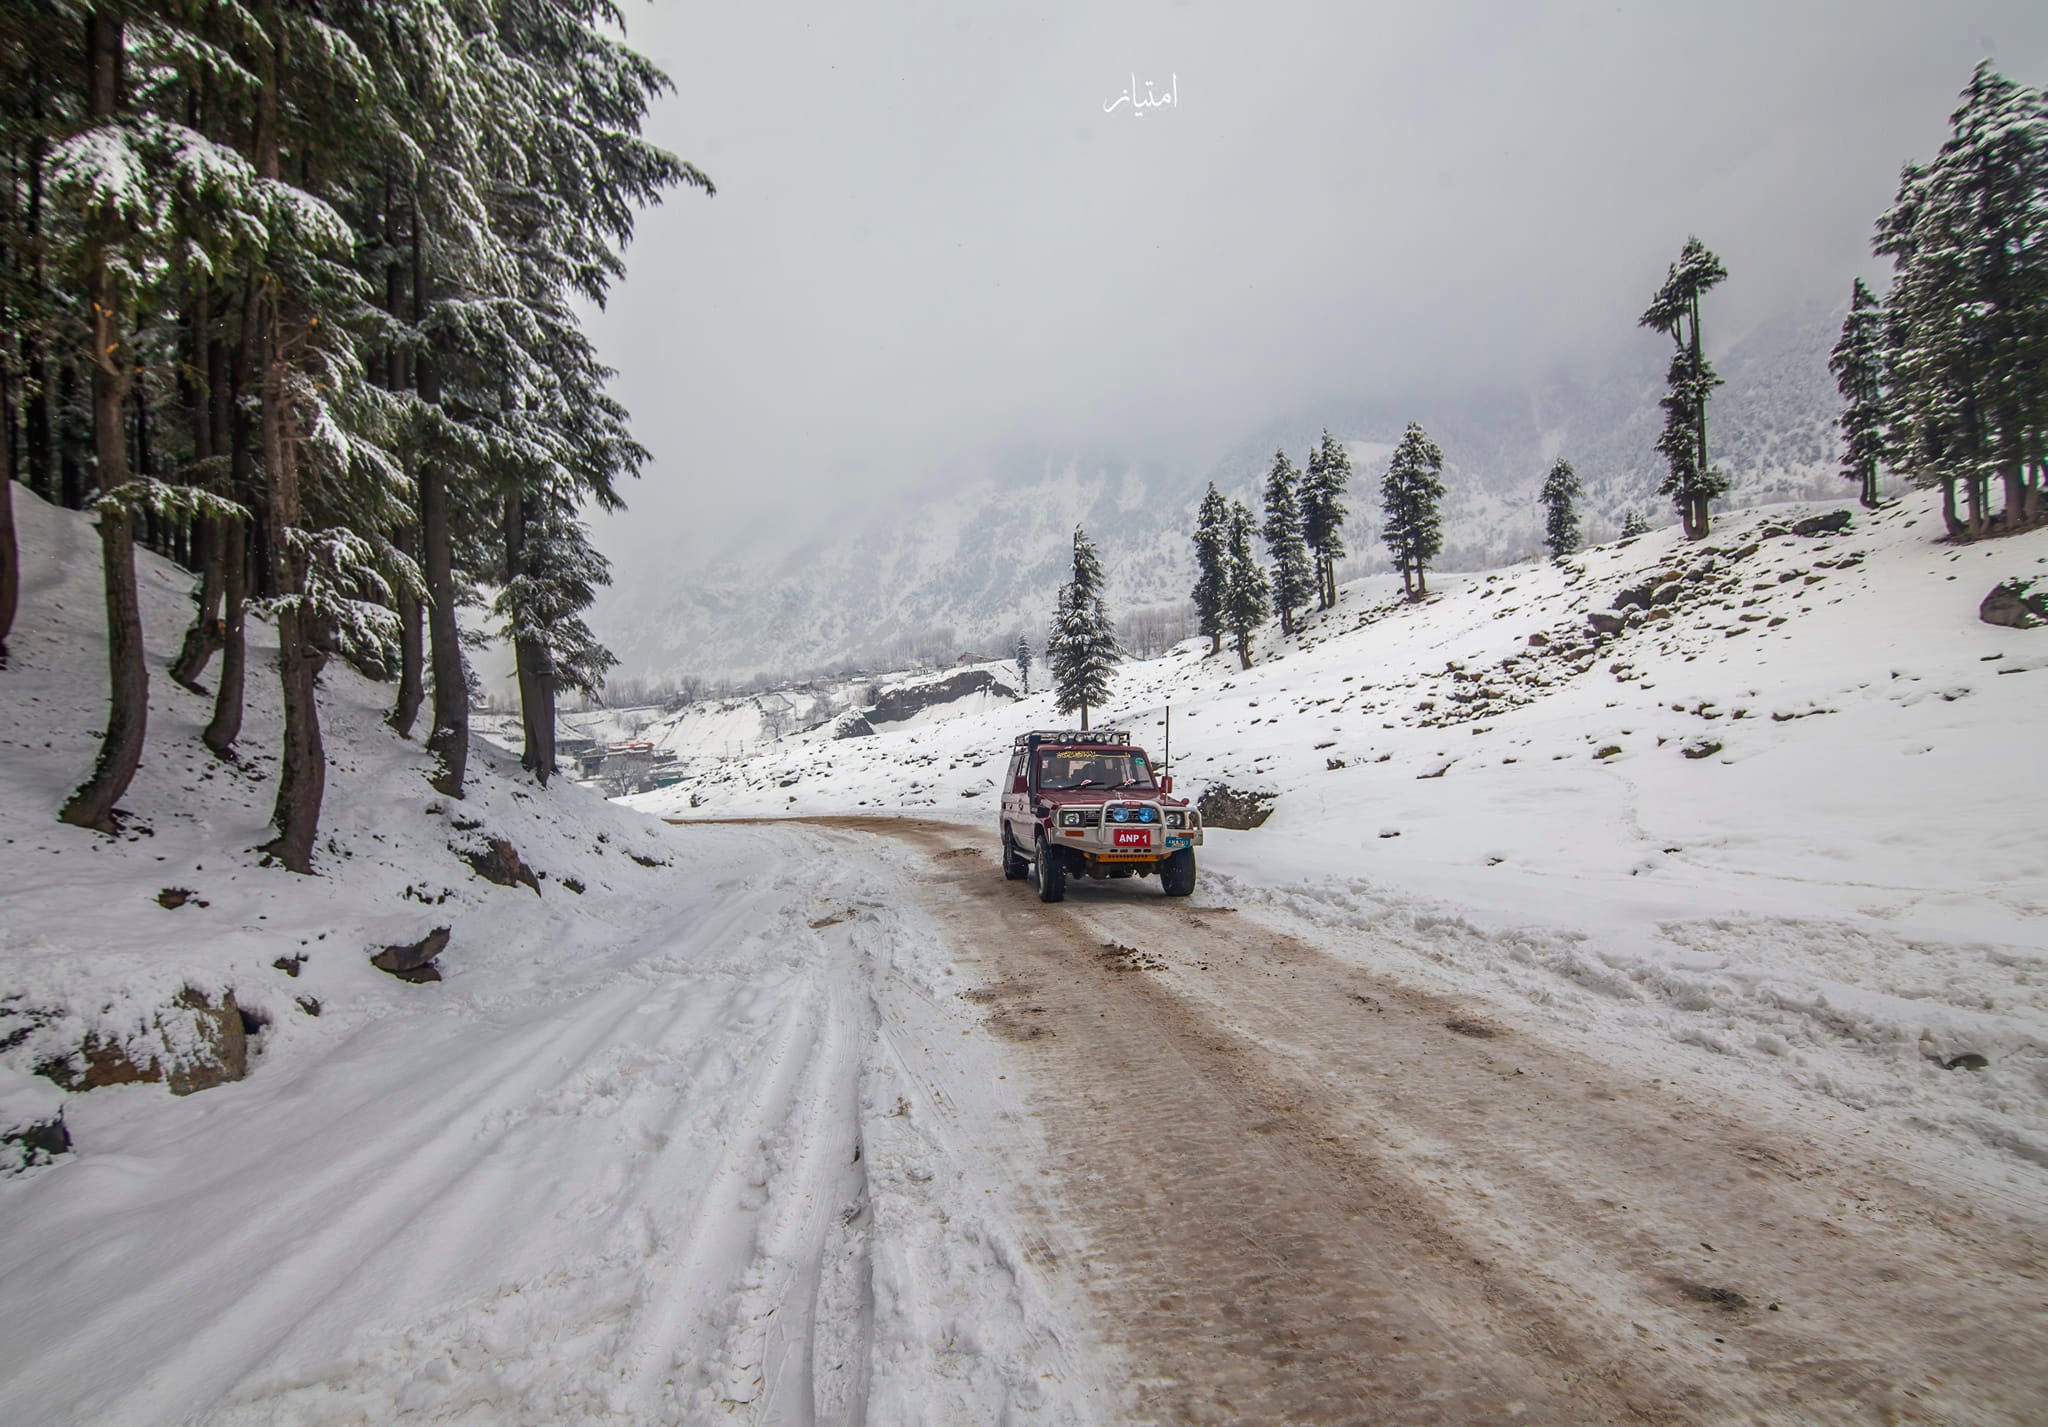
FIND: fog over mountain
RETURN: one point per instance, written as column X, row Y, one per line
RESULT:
column 966, row 563
column 959, row 288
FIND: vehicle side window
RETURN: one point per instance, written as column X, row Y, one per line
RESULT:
column 1017, row 772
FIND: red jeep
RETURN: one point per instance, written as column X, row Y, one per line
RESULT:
column 1087, row 805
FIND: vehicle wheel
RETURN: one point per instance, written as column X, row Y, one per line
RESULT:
column 1177, row 878
column 1015, row 869
column 1052, row 874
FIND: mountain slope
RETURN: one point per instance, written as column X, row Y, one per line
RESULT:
column 964, row 567
column 1785, row 823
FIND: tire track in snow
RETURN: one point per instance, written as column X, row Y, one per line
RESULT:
column 1316, row 1194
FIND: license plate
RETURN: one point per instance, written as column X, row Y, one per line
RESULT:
column 1172, row 841
column 1133, row 837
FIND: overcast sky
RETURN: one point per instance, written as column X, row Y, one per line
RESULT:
column 949, row 233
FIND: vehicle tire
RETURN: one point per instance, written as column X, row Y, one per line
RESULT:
column 1177, row 878
column 1052, row 874
column 1015, row 868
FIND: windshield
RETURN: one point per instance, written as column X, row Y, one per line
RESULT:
column 1070, row 768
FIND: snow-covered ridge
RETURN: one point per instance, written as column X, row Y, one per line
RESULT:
column 1784, row 817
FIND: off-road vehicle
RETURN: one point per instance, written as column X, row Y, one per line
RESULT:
column 1080, row 804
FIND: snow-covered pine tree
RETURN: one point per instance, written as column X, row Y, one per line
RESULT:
column 1282, row 534
column 1212, row 539
column 1023, row 658
column 1691, row 480
column 1245, row 588
column 1858, row 365
column 1967, row 317
column 1322, row 513
column 1633, row 523
column 1083, row 648
column 1560, row 509
column 1409, row 492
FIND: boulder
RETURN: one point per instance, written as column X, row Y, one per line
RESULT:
column 499, row 861
column 31, row 1121
column 414, row 962
column 1604, row 623
column 1833, row 523
column 853, row 725
column 1224, row 806
column 2014, row 605
column 189, row 1046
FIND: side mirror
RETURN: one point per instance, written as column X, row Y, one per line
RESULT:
column 1166, row 783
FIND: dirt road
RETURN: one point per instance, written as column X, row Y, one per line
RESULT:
column 1309, row 1194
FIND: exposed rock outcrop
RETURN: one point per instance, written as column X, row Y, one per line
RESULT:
column 895, row 705
column 1224, row 806
column 2015, row 605
column 414, row 962
column 190, row 1045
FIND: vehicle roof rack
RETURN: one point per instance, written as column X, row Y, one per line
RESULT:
column 1072, row 735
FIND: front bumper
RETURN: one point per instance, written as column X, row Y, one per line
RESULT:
column 1133, row 838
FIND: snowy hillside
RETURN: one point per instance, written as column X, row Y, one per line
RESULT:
column 1785, row 822
column 646, row 1099
column 967, row 564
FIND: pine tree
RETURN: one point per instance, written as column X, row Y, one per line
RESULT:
column 1083, row 648
column 1633, row 523
column 1966, row 324
column 1282, row 534
column 1322, row 513
column 1858, row 362
column 1212, row 537
column 1244, row 583
column 1409, row 492
column 1691, row 482
column 1560, row 509
column 1023, row 657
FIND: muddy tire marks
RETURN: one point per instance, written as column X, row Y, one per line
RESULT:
column 1315, row 1195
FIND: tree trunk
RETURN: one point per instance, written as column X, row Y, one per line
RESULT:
column 1244, row 649
column 128, row 704
column 203, row 637
column 411, row 676
column 10, row 550
column 302, row 770
column 1949, row 519
column 1702, row 518
column 530, row 656
column 39, row 420
column 226, row 725
column 449, row 740
column 70, row 475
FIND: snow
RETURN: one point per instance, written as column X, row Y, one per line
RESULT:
column 717, row 1136
column 649, row 1152
column 1832, row 907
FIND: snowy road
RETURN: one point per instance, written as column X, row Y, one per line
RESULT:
column 1304, row 1192
column 844, row 1128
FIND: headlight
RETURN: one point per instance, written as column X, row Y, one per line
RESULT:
column 1176, row 819
column 1075, row 818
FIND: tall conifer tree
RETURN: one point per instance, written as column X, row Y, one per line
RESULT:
column 1083, row 648
column 1245, row 586
column 1282, row 533
column 1212, row 539
column 1322, row 513
column 1409, row 493
column 1858, row 364
column 1560, row 509
column 1691, row 481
